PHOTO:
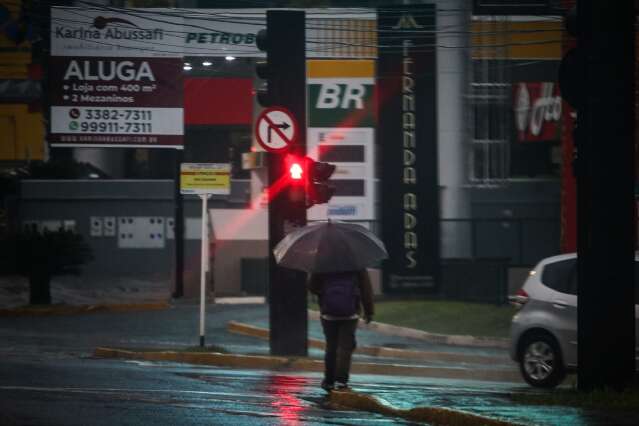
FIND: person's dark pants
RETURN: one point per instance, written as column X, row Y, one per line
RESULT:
column 340, row 344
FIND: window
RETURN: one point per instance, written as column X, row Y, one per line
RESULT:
column 558, row 275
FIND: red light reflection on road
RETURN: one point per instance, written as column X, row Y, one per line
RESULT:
column 287, row 406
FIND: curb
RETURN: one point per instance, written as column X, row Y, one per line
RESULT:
column 44, row 310
column 430, row 415
column 379, row 351
column 445, row 339
column 266, row 362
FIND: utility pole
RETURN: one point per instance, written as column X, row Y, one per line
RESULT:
column 285, row 73
column 606, row 182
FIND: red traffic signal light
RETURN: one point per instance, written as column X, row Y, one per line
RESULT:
column 296, row 172
column 295, row 169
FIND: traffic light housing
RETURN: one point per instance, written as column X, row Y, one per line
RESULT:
column 284, row 70
column 263, row 70
column 319, row 190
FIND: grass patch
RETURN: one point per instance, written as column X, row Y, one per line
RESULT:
column 605, row 399
column 444, row 316
column 447, row 317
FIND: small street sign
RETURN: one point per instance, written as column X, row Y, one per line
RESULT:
column 276, row 129
column 205, row 178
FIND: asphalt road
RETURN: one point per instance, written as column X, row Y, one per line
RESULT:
column 72, row 391
column 48, row 376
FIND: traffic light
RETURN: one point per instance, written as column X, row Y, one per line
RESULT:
column 263, row 71
column 319, row 191
column 284, row 70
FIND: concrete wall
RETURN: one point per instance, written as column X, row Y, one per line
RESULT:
column 78, row 203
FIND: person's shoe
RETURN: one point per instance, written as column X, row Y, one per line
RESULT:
column 327, row 386
column 339, row 386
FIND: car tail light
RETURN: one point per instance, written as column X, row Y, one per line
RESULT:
column 519, row 299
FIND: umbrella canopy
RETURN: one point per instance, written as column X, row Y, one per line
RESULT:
column 330, row 247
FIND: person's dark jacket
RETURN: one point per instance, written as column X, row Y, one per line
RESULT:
column 316, row 281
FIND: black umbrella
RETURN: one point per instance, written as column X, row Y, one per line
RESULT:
column 330, row 247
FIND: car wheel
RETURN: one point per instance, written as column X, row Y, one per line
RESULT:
column 540, row 361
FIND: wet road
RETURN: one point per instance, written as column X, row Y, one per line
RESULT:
column 97, row 392
column 67, row 390
column 48, row 378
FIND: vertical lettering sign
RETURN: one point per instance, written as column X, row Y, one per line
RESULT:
column 116, row 79
column 408, row 142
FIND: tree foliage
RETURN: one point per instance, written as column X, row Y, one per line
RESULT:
column 52, row 252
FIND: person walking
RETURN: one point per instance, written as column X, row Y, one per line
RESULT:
column 342, row 298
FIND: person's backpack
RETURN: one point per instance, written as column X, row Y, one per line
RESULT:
column 340, row 295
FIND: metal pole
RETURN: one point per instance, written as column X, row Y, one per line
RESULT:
column 178, row 228
column 204, row 239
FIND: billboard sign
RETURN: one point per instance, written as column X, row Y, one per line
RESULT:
column 116, row 79
column 407, row 138
column 341, row 131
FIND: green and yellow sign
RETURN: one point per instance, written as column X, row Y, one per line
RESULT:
column 205, row 178
column 341, row 93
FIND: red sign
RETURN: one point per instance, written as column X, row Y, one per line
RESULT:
column 537, row 108
column 276, row 129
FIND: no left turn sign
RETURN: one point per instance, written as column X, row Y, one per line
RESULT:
column 276, row 129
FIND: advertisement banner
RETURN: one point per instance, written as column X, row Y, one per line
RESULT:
column 116, row 79
column 407, row 137
column 537, row 108
column 330, row 33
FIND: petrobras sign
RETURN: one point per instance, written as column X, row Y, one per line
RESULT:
column 115, row 33
column 223, row 32
column 330, row 33
column 341, row 131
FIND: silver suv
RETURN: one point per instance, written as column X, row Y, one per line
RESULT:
column 543, row 333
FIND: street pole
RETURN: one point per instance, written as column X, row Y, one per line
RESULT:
column 606, row 181
column 178, row 228
column 203, row 260
column 287, row 297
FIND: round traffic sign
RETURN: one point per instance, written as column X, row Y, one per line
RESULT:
column 276, row 129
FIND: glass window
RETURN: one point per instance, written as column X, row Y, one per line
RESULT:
column 557, row 275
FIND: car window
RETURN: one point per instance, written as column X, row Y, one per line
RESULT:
column 558, row 275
